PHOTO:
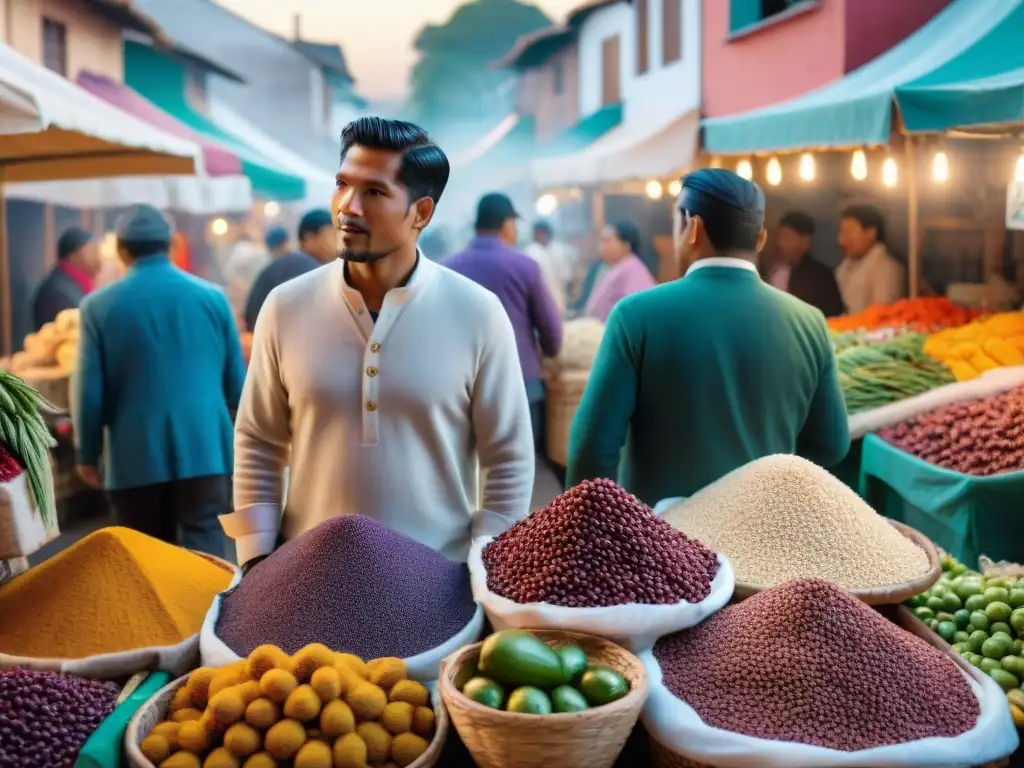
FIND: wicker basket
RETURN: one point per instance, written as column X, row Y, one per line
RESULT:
column 52, row 383
column 565, row 391
column 892, row 595
column 592, row 738
column 154, row 711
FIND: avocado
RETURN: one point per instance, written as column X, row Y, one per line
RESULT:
column 603, row 685
column 484, row 691
column 574, row 662
column 517, row 657
column 528, row 700
column 565, row 698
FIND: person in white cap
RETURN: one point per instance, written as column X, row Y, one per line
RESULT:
column 159, row 371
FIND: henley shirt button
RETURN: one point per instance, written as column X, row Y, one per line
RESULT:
column 371, row 371
column 375, row 347
column 371, row 406
column 360, row 310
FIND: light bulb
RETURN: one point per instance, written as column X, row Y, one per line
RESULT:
column 807, row 166
column 653, row 189
column 1018, row 174
column 716, row 162
column 890, row 173
column 773, row 173
column 675, row 187
column 859, row 165
column 940, row 168
column 219, row 227
column 745, row 169
column 547, row 204
column 271, row 209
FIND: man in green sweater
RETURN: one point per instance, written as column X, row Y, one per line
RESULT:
column 699, row 376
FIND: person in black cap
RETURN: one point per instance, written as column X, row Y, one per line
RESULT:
column 159, row 372
column 316, row 247
column 277, row 241
column 797, row 272
column 491, row 260
column 712, row 371
column 78, row 263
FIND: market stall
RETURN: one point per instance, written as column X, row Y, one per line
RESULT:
column 566, row 380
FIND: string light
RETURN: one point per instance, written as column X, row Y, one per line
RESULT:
column 547, row 204
column 219, row 227
column 940, row 168
column 271, row 210
column 807, row 166
column 653, row 189
column 890, row 174
column 859, row 165
column 675, row 187
column 773, row 173
column 744, row 169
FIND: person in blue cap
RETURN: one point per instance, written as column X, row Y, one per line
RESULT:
column 277, row 241
column 78, row 263
column 160, row 371
column 702, row 375
column 316, row 247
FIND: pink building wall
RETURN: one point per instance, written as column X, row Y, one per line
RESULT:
column 792, row 56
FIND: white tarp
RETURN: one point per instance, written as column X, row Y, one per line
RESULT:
column 627, row 152
column 55, row 130
column 199, row 195
column 320, row 181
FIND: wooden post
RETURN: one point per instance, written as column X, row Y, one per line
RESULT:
column 913, row 219
column 6, row 310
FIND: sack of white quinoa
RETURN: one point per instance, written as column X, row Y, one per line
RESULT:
column 804, row 675
column 596, row 560
column 355, row 586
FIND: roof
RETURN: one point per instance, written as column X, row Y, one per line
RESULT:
column 122, row 13
column 329, row 56
column 963, row 68
column 183, row 53
column 533, row 49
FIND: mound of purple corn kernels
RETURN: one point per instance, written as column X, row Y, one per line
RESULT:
column 807, row 662
column 46, row 717
column 594, row 546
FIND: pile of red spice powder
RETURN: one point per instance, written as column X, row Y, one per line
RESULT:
column 807, row 662
column 597, row 545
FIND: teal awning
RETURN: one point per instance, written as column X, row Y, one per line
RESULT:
column 162, row 80
column 950, row 72
column 585, row 132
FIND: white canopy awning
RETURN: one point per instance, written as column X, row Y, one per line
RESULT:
column 320, row 182
column 52, row 129
column 627, row 152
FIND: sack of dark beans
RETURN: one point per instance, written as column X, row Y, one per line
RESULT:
column 804, row 675
column 598, row 561
column 355, row 586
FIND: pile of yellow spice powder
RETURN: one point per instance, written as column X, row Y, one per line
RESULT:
column 115, row 590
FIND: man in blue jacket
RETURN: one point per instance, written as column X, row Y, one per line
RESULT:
column 159, row 372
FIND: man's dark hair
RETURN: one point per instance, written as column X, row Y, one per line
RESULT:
column 800, row 222
column 313, row 221
column 868, row 217
column 731, row 207
column 627, row 232
column 425, row 169
column 543, row 226
column 139, row 249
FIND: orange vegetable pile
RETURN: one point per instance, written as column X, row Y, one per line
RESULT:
column 985, row 344
column 922, row 314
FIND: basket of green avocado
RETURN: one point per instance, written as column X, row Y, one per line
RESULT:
column 523, row 698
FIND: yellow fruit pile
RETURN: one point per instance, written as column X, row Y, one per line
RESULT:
column 316, row 709
column 987, row 343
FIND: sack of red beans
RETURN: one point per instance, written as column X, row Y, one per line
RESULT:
column 598, row 561
column 804, row 675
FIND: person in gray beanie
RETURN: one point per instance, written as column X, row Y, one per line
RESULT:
column 78, row 263
column 160, row 372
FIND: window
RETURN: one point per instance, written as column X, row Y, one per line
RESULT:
column 611, row 83
column 558, row 77
column 671, row 31
column 772, row 7
column 328, row 103
column 747, row 13
column 643, row 23
column 55, row 47
column 195, row 88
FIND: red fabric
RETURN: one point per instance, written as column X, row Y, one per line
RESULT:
column 80, row 276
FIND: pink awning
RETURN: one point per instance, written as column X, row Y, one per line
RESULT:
column 217, row 160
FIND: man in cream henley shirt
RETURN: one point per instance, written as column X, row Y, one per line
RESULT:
column 388, row 416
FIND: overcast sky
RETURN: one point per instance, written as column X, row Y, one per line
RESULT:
column 377, row 39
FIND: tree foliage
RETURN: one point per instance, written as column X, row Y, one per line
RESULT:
column 455, row 78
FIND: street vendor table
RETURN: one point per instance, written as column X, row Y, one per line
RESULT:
column 966, row 516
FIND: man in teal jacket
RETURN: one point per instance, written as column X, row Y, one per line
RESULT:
column 159, row 372
column 697, row 377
